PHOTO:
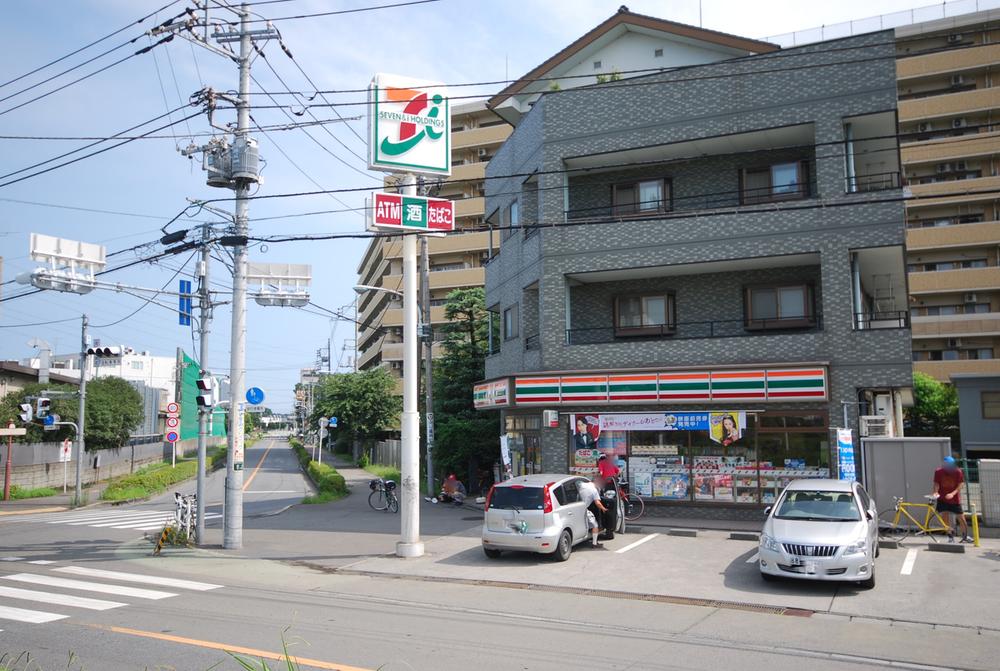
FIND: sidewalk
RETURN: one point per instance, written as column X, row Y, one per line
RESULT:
column 48, row 504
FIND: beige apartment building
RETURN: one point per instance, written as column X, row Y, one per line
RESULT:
column 455, row 261
column 948, row 73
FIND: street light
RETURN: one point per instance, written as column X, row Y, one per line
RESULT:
column 362, row 288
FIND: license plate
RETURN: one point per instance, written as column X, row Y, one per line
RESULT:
column 810, row 567
column 807, row 566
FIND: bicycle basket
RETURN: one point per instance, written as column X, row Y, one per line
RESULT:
column 390, row 485
column 373, row 485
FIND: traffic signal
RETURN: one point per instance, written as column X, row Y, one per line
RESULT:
column 205, row 386
column 42, row 407
column 26, row 412
column 116, row 350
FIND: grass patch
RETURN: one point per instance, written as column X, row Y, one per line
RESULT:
column 328, row 481
column 17, row 492
column 156, row 478
column 384, row 472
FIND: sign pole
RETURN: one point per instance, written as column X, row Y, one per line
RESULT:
column 81, row 444
column 8, row 466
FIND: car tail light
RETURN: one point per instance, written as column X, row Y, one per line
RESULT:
column 489, row 497
column 547, row 498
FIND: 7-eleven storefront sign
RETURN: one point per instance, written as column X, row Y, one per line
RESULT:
column 392, row 210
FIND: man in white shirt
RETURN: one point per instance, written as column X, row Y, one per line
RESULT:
column 590, row 495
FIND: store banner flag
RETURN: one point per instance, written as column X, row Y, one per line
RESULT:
column 845, row 454
column 505, row 452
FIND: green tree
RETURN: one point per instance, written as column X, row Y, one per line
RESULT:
column 364, row 403
column 66, row 408
column 935, row 408
column 464, row 437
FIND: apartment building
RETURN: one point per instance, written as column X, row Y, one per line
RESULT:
column 949, row 122
column 719, row 281
column 455, row 261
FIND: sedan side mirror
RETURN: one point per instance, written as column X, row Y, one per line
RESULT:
column 767, row 511
column 869, row 515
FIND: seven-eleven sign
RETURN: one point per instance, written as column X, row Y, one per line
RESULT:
column 392, row 210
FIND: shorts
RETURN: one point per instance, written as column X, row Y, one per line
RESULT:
column 945, row 507
column 591, row 521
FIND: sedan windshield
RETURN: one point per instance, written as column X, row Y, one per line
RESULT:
column 817, row 505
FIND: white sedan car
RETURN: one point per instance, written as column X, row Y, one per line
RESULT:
column 821, row 530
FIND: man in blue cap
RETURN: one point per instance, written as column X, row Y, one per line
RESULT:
column 948, row 481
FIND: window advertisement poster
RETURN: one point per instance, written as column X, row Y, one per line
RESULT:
column 845, row 454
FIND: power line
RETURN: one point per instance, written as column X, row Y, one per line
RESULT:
column 87, row 46
column 54, row 321
column 119, row 213
column 150, row 299
column 356, row 10
column 269, row 127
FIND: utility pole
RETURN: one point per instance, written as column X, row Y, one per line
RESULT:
column 233, row 528
column 409, row 544
column 80, row 443
column 204, row 412
column 425, row 298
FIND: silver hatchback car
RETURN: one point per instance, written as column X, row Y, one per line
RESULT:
column 821, row 530
column 535, row 513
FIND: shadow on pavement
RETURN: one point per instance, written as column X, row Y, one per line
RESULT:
column 744, row 577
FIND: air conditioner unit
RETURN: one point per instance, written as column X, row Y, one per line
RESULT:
column 957, row 80
column 873, row 425
column 924, row 127
column 482, row 152
column 959, row 122
column 971, row 298
column 954, row 38
column 944, row 167
column 954, row 342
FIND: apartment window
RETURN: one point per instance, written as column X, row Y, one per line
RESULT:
column 785, row 306
column 651, row 195
column 510, row 323
column 980, row 353
column 779, row 181
column 597, row 65
column 511, row 219
column 136, row 365
column 657, row 53
column 990, row 401
column 651, row 314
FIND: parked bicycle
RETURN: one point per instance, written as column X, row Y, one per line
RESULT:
column 383, row 495
column 185, row 515
column 905, row 518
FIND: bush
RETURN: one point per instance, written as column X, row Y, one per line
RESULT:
column 156, row 478
column 18, row 492
column 363, row 461
column 328, row 481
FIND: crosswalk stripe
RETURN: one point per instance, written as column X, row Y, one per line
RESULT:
column 120, row 590
column 136, row 577
column 11, row 558
column 80, row 517
column 42, row 562
column 58, row 599
column 120, row 519
column 32, row 616
column 161, row 517
column 145, row 525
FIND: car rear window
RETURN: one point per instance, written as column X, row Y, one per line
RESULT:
column 818, row 505
column 517, row 497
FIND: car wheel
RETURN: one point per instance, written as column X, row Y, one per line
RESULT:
column 491, row 553
column 767, row 577
column 564, row 547
column 869, row 583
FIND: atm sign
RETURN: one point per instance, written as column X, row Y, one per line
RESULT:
column 396, row 211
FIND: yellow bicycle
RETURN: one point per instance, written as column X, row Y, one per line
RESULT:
column 907, row 517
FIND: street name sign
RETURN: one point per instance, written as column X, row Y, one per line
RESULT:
column 409, row 125
column 392, row 210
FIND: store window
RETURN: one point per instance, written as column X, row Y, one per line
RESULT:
column 524, row 441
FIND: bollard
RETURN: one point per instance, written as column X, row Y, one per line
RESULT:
column 975, row 526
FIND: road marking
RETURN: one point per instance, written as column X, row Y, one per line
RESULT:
column 754, row 558
column 145, row 519
column 632, row 546
column 257, row 467
column 136, row 577
column 238, row 649
column 33, row 511
column 11, row 558
column 155, row 523
column 911, row 558
column 42, row 562
column 32, row 616
column 58, row 599
column 120, row 590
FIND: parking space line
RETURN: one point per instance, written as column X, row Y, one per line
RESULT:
column 753, row 558
column 911, row 558
column 636, row 544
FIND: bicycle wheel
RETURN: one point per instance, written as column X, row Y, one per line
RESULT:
column 393, row 503
column 378, row 500
column 634, row 507
column 892, row 529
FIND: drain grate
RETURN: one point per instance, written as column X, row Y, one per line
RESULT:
column 583, row 591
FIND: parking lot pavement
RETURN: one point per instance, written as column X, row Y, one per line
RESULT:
column 914, row 584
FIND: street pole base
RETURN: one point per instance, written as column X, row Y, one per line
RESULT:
column 409, row 550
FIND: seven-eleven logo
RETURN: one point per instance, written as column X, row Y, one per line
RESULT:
column 409, row 126
column 396, row 211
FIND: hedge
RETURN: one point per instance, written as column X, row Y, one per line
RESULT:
column 157, row 478
column 329, row 483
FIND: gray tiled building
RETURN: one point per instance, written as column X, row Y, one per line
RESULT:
column 712, row 245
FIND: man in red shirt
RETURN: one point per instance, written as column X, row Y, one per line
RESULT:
column 948, row 481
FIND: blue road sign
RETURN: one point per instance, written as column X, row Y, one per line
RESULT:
column 184, row 304
column 333, row 423
column 49, row 420
column 255, row 395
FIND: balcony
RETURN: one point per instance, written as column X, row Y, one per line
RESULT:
column 953, row 281
column 956, row 191
column 943, row 370
column 726, row 328
column 443, row 279
column 959, row 235
column 470, row 207
column 394, row 316
column 951, row 148
column 957, row 326
column 946, row 62
column 369, row 354
column 949, row 104
column 477, row 137
column 468, row 171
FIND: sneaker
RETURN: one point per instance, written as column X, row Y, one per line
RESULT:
column 951, row 538
column 966, row 539
column 596, row 545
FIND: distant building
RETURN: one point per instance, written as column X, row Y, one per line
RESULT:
column 157, row 372
column 979, row 414
column 15, row 376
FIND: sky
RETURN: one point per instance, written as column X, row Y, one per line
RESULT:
column 122, row 197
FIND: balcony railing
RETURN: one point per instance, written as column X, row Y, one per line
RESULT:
column 532, row 342
column 726, row 328
column 879, row 181
column 864, row 321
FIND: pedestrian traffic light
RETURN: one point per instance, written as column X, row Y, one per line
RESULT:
column 26, row 412
column 42, row 407
column 205, row 384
